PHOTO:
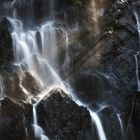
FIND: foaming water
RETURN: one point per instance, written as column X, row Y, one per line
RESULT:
column 39, row 59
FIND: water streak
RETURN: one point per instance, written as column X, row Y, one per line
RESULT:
column 138, row 24
column 39, row 133
column 121, row 125
column 2, row 96
column 97, row 121
column 138, row 52
column 137, row 71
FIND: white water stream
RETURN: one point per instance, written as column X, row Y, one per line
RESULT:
column 39, row 133
column 121, row 125
column 138, row 52
column 2, row 96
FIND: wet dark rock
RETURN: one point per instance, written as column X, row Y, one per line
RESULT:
column 136, row 115
column 90, row 87
column 113, row 54
column 58, row 115
column 12, row 125
column 5, row 43
column 109, row 117
column 62, row 118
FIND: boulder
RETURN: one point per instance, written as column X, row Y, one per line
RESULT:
column 61, row 118
column 22, row 86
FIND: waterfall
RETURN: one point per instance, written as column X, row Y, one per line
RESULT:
column 36, row 49
column 97, row 121
column 137, row 54
column 40, row 59
column 2, row 96
column 137, row 71
column 52, row 8
column 121, row 125
column 38, row 131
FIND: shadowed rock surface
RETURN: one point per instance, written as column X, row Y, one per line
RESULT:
column 12, row 124
column 6, row 49
column 59, row 116
column 62, row 118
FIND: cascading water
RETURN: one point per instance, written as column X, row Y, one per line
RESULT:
column 40, row 59
column 137, row 70
column 137, row 54
column 39, row 133
column 97, row 121
column 2, row 96
column 1, row 89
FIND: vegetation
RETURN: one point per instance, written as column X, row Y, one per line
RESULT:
column 78, row 2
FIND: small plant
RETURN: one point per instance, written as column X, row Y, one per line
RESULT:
column 78, row 2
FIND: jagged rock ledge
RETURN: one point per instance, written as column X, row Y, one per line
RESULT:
column 58, row 115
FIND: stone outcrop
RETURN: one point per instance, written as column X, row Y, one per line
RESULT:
column 62, row 118
column 12, row 125
column 58, row 115
column 22, row 86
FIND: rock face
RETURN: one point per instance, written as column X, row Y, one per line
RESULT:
column 136, row 115
column 12, row 125
column 5, row 43
column 22, row 86
column 90, row 87
column 58, row 115
column 62, row 118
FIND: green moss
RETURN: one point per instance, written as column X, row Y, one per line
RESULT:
column 78, row 2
